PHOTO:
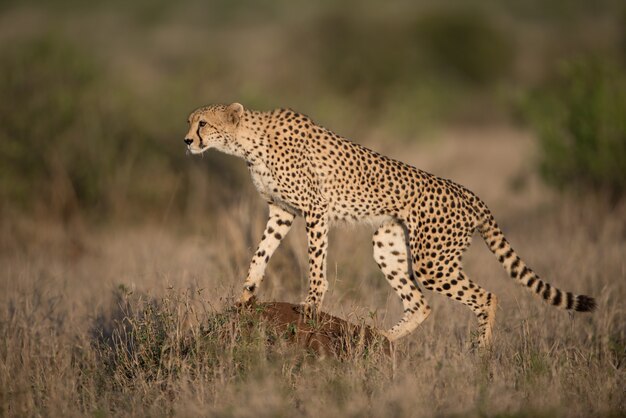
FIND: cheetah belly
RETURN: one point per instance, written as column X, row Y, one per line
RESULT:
column 342, row 216
column 373, row 220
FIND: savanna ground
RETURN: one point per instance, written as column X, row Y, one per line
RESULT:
column 73, row 299
column 120, row 256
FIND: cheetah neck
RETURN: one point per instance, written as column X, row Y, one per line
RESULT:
column 249, row 140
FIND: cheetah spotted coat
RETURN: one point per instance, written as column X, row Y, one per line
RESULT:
column 425, row 222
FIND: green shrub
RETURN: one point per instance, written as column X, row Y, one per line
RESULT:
column 581, row 122
column 42, row 84
column 412, row 70
column 62, row 133
column 373, row 54
column 73, row 139
column 465, row 44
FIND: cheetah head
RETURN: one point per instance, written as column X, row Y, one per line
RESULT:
column 214, row 127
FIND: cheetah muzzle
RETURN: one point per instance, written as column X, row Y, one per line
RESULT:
column 425, row 223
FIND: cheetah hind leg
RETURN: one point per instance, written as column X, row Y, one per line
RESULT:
column 390, row 253
column 485, row 324
column 482, row 302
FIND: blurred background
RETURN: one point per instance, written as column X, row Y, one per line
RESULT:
column 95, row 96
column 104, row 220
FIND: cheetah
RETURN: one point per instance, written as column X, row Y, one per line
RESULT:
column 424, row 222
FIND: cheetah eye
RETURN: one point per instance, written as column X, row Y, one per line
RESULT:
column 202, row 123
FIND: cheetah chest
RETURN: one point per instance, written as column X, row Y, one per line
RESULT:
column 264, row 181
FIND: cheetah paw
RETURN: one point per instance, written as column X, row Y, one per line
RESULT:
column 245, row 301
column 308, row 309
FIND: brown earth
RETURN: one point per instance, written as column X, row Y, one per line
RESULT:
column 324, row 335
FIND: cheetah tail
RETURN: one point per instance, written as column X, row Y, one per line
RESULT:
column 518, row 270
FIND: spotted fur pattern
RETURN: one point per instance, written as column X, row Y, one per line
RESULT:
column 425, row 222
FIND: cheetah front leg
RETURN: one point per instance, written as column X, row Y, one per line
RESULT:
column 278, row 225
column 317, row 239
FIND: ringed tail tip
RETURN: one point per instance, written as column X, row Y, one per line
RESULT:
column 585, row 304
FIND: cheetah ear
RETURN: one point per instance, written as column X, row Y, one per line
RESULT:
column 234, row 113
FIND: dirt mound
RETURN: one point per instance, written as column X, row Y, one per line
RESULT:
column 324, row 334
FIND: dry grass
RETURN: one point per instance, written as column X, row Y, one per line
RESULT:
column 91, row 322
